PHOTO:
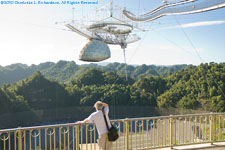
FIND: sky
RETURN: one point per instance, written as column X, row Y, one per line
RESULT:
column 33, row 34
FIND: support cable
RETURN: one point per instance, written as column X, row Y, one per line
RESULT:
column 138, row 47
column 125, row 69
column 189, row 40
column 175, row 44
column 199, row 55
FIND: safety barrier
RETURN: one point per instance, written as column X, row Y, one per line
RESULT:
column 135, row 133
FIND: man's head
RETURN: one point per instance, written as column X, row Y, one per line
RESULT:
column 98, row 105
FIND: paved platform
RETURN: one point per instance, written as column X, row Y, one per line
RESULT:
column 215, row 146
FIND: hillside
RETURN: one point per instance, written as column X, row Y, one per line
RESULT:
column 65, row 71
column 192, row 88
column 197, row 87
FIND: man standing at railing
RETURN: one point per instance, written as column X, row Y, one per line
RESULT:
column 98, row 118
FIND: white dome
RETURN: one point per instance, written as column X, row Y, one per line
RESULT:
column 95, row 51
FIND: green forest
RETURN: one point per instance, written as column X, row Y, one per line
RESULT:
column 51, row 87
column 65, row 71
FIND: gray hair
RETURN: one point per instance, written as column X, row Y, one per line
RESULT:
column 98, row 105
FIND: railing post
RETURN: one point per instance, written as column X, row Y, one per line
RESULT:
column 19, row 138
column 171, row 132
column 77, row 137
column 211, row 128
column 127, row 133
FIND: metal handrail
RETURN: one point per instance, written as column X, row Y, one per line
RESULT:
column 135, row 133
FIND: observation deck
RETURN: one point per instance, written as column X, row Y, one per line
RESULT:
column 196, row 131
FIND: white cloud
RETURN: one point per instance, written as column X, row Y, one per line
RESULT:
column 203, row 23
column 196, row 24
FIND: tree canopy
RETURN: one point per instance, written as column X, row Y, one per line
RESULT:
column 196, row 87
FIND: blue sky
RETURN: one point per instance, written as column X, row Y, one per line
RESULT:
column 28, row 34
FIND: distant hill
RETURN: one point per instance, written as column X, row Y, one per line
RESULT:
column 65, row 71
column 201, row 87
column 17, row 72
column 196, row 87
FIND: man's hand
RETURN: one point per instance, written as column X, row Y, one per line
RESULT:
column 79, row 122
column 82, row 122
column 104, row 104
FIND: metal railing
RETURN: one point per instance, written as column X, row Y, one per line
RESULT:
column 135, row 133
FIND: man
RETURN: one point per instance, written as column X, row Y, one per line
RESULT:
column 98, row 118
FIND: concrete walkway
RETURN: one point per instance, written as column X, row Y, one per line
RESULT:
column 215, row 146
